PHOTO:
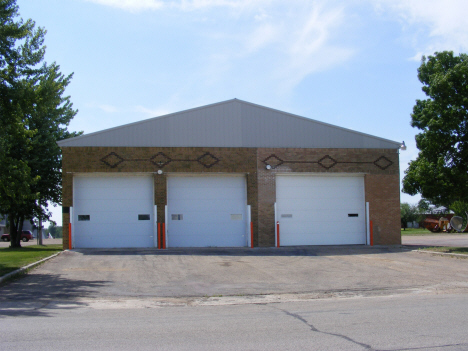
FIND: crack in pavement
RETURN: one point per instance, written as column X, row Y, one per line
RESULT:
column 314, row 329
column 425, row 347
column 365, row 346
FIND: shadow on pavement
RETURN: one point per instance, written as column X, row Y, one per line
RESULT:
column 257, row 251
column 39, row 294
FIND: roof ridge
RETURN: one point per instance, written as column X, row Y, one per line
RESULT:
column 238, row 112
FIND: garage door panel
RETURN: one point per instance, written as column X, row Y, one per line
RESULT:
column 103, row 236
column 297, row 205
column 223, row 205
column 208, row 182
column 204, row 217
column 320, row 215
column 196, row 194
column 112, row 194
column 320, row 227
column 317, row 191
column 317, row 239
column 206, row 204
column 114, row 217
column 198, row 237
column 113, row 204
column 317, row 210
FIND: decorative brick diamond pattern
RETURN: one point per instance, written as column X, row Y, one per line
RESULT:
column 112, row 160
column 160, row 160
column 273, row 161
column 207, row 160
column 383, row 163
column 327, row 162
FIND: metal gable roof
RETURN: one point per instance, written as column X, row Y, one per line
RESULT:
column 232, row 123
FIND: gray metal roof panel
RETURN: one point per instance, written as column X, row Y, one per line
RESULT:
column 232, row 123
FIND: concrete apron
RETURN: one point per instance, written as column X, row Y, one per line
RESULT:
column 230, row 276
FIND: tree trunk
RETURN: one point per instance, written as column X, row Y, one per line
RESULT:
column 14, row 235
column 39, row 231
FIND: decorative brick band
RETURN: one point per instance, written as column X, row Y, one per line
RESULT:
column 326, row 162
column 160, row 160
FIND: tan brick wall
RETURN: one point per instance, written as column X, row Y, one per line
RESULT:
column 382, row 185
column 379, row 166
column 383, row 195
column 170, row 160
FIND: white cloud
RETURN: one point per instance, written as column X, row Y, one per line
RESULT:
column 261, row 36
column 108, row 108
column 311, row 47
column 435, row 24
column 131, row 5
column 286, row 40
column 185, row 5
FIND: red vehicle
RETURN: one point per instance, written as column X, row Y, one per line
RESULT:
column 26, row 235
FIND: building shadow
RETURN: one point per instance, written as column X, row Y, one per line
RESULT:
column 338, row 250
column 40, row 294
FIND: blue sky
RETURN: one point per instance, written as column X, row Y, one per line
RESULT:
column 350, row 63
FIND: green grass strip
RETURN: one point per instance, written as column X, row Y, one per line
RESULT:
column 416, row 231
column 423, row 231
column 447, row 249
column 13, row 259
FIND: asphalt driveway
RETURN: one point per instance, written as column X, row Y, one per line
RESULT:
column 337, row 270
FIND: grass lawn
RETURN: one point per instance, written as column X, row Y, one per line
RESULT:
column 446, row 249
column 12, row 259
column 416, row 231
column 423, row 231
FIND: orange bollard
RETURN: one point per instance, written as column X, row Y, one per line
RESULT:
column 277, row 235
column 163, row 235
column 159, row 235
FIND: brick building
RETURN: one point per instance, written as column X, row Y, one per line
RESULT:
column 226, row 174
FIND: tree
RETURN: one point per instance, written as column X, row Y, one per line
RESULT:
column 409, row 213
column 34, row 115
column 440, row 172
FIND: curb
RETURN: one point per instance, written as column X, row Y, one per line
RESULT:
column 25, row 268
column 441, row 253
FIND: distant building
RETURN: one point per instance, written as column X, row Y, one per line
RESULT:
column 4, row 228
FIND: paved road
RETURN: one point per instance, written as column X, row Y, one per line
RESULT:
column 460, row 240
column 404, row 322
column 308, row 298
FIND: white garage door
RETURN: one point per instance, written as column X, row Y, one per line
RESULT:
column 318, row 210
column 113, row 212
column 206, row 211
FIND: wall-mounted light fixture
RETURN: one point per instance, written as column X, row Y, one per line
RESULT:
column 403, row 146
column 268, row 167
column 160, row 171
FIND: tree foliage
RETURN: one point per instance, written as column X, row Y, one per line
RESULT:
column 34, row 115
column 440, row 172
column 408, row 213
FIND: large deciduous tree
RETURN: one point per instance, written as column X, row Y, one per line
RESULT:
column 440, row 172
column 34, row 115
